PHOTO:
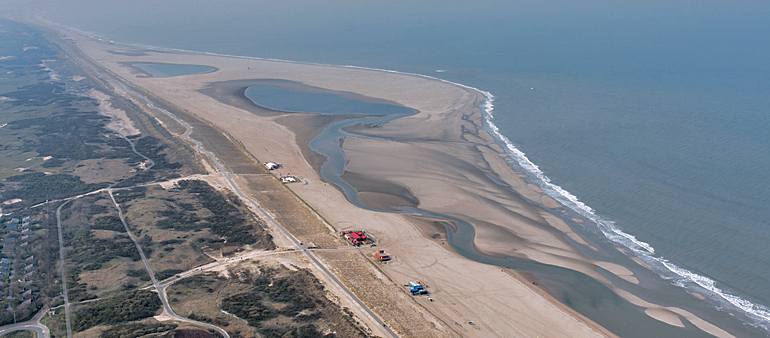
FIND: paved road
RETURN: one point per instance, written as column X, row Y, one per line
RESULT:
column 32, row 325
column 89, row 63
column 160, row 288
column 61, row 268
column 267, row 216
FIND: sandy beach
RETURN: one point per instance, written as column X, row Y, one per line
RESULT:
column 439, row 159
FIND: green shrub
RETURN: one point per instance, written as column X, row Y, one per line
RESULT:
column 124, row 307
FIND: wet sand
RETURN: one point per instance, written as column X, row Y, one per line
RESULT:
column 439, row 159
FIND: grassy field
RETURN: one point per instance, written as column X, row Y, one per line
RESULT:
column 275, row 302
column 123, row 307
column 178, row 225
column 55, row 144
column 289, row 211
column 175, row 227
column 198, row 297
column 98, row 253
column 20, row 334
column 32, row 103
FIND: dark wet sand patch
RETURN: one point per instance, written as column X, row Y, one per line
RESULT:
column 141, row 73
column 136, row 53
column 380, row 194
column 433, row 229
column 135, row 70
column 307, row 126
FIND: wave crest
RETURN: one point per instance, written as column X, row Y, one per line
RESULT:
column 679, row 276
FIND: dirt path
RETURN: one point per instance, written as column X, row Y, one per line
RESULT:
column 168, row 311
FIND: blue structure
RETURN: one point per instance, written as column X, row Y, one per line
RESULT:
column 418, row 288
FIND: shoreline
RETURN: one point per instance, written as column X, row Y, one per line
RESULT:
column 489, row 152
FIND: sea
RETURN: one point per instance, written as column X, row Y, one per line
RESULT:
column 650, row 120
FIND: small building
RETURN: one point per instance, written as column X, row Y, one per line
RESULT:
column 26, row 219
column 357, row 238
column 381, row 256
column 5, row 266
column 12, row 226
column 416, row 284
column 13, row 221
column 417, row 288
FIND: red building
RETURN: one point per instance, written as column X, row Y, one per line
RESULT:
column 381, row 256
column 356, row 237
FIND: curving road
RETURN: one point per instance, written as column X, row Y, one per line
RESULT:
column 160, row 288
column 31, row 325
column 61, row 251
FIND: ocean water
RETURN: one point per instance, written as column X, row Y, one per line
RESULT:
column 650, row 119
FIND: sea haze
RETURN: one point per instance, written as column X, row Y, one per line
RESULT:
column 649, row 118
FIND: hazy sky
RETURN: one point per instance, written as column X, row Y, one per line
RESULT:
column 352, row 10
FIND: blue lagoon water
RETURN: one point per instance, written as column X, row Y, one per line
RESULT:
column 651, row 120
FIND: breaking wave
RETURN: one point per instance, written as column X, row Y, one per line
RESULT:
column 679, row 276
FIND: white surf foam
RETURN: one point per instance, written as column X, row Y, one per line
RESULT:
column 759, row 314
